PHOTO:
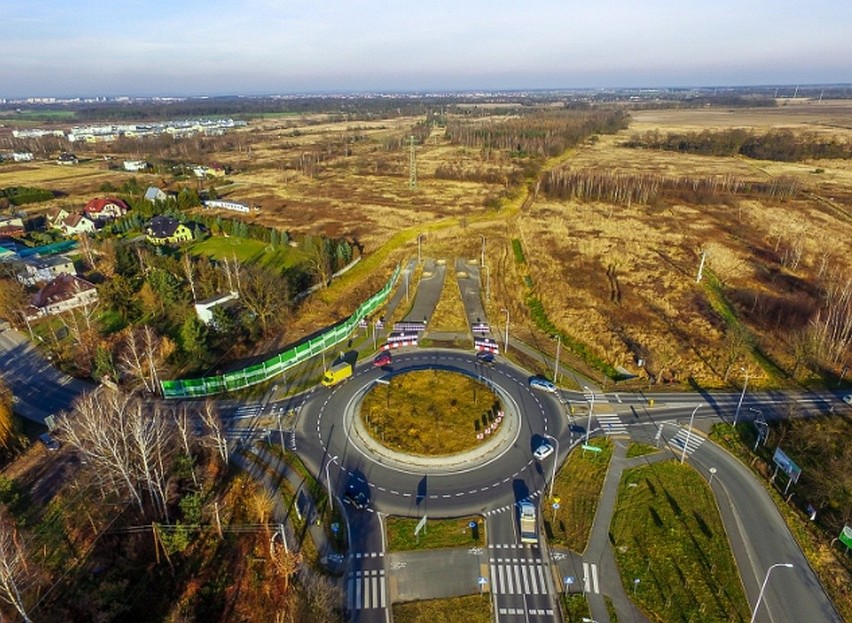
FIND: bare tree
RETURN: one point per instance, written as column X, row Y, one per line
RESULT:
column 262, row 294
column 184, row 428
column 319, row 254
column 14, row 571
column 142, row 355
column 189, row 271
column 215, row 429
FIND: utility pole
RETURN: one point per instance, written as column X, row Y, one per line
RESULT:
column 412, row 164
column 482, row 253
column 740, row 403
column 701, row 266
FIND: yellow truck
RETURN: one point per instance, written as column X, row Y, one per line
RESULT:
column 337, row 373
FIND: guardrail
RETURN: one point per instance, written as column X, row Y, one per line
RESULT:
column 258, row 373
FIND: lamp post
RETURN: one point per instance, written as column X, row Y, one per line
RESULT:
column 591, row 406
column 555, row 459
column 327, row 479
column 487, row 283
column 406, row 285
column 556, row 366
column 688, row 434
column 419, row 237
column 789, row 565
column 740, row 403
column 482, row 253
column 506, row 336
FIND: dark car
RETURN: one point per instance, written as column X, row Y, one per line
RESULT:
column 576, row 428
column 357, row 497
column 485, row 356
column 49, row 442
column 383, row 359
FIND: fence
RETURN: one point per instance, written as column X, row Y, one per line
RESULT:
column 209, row 385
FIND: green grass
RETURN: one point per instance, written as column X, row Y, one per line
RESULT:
column 437, row 533
column 640, row 449
column 248, row 251
column 667, row 532
column 469, row 609
column 575, row 607
column 578, row 487
column 430, row 412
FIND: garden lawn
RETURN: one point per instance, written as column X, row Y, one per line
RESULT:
column 667, row 532
column 248, row 251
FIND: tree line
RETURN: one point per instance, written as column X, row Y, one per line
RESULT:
column 779, row 144
column 624, row 188
column 536, row 134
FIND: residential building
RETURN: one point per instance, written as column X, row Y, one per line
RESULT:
column 204, row 308
column 11, row 226
column 154, row 194
column 74, row 224
column 105, row 209
column 62, row 294
column 34, row 270
column 167, row 230
column 226, row 205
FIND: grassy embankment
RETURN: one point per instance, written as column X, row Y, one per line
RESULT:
column 469, row 609
column 667, row 533
column 437, row 533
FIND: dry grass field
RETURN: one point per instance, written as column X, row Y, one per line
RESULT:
column 616, row 277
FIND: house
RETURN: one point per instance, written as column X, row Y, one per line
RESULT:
column 22, row 156
column 167, row 230
column 155, row 195
column 135, row 165
column 204, row 308
column 38, row 269
column 74, row 224
column 11, row 226
column 56, row 216
column 105, row 209
column 63, row 293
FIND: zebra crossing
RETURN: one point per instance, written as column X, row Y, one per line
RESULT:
column 247, row 411
column 518, row 576
column 590, row 578
column 365, row 589
column 611, row 424
column 684, row 438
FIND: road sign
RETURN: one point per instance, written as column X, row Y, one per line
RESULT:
column 846, row 536
column 568, row 580
column 591, row 448
column 482, row 581
column 471, row 525
column 787, row 465
column 335, row 527
column 556, row 506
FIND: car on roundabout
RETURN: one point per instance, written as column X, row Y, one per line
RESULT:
column 356, row 496
column 383, row 359
column 542, row 384
column 543, row 451
column 485, row 356
column 848, row 399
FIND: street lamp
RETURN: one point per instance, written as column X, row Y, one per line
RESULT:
column 556, row 367
column 506, row 337
column 789, row 565
column 418, row 246
column 740, row 403
column 487, row 283
column 482, row 253
column 688, row 434
column 327, row 479
column 591, row 406
column 555, row 459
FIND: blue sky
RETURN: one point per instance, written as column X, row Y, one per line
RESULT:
column 189, row 47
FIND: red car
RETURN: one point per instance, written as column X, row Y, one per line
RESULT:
column 382, row 359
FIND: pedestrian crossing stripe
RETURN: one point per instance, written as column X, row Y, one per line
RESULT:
column 611, row 424
column 531, row 611
column 684, row 438
column 590, row 578
column 366, row 589
column 517, row 578
column 246, row 411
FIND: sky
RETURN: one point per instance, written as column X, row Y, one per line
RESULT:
column 262, row 47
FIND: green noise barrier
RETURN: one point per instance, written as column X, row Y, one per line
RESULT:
column 258, row 373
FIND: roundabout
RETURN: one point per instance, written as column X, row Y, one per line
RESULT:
column 496, row 473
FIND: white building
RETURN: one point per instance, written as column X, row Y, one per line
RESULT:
column 204, row 308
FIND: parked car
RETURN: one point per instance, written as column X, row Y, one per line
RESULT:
column 543, row 451
column 485, row 356
column 542, row 384
column 848, row 399
column 49, row 442
column 383, row 359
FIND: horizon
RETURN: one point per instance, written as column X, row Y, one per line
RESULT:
column 258, row 47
